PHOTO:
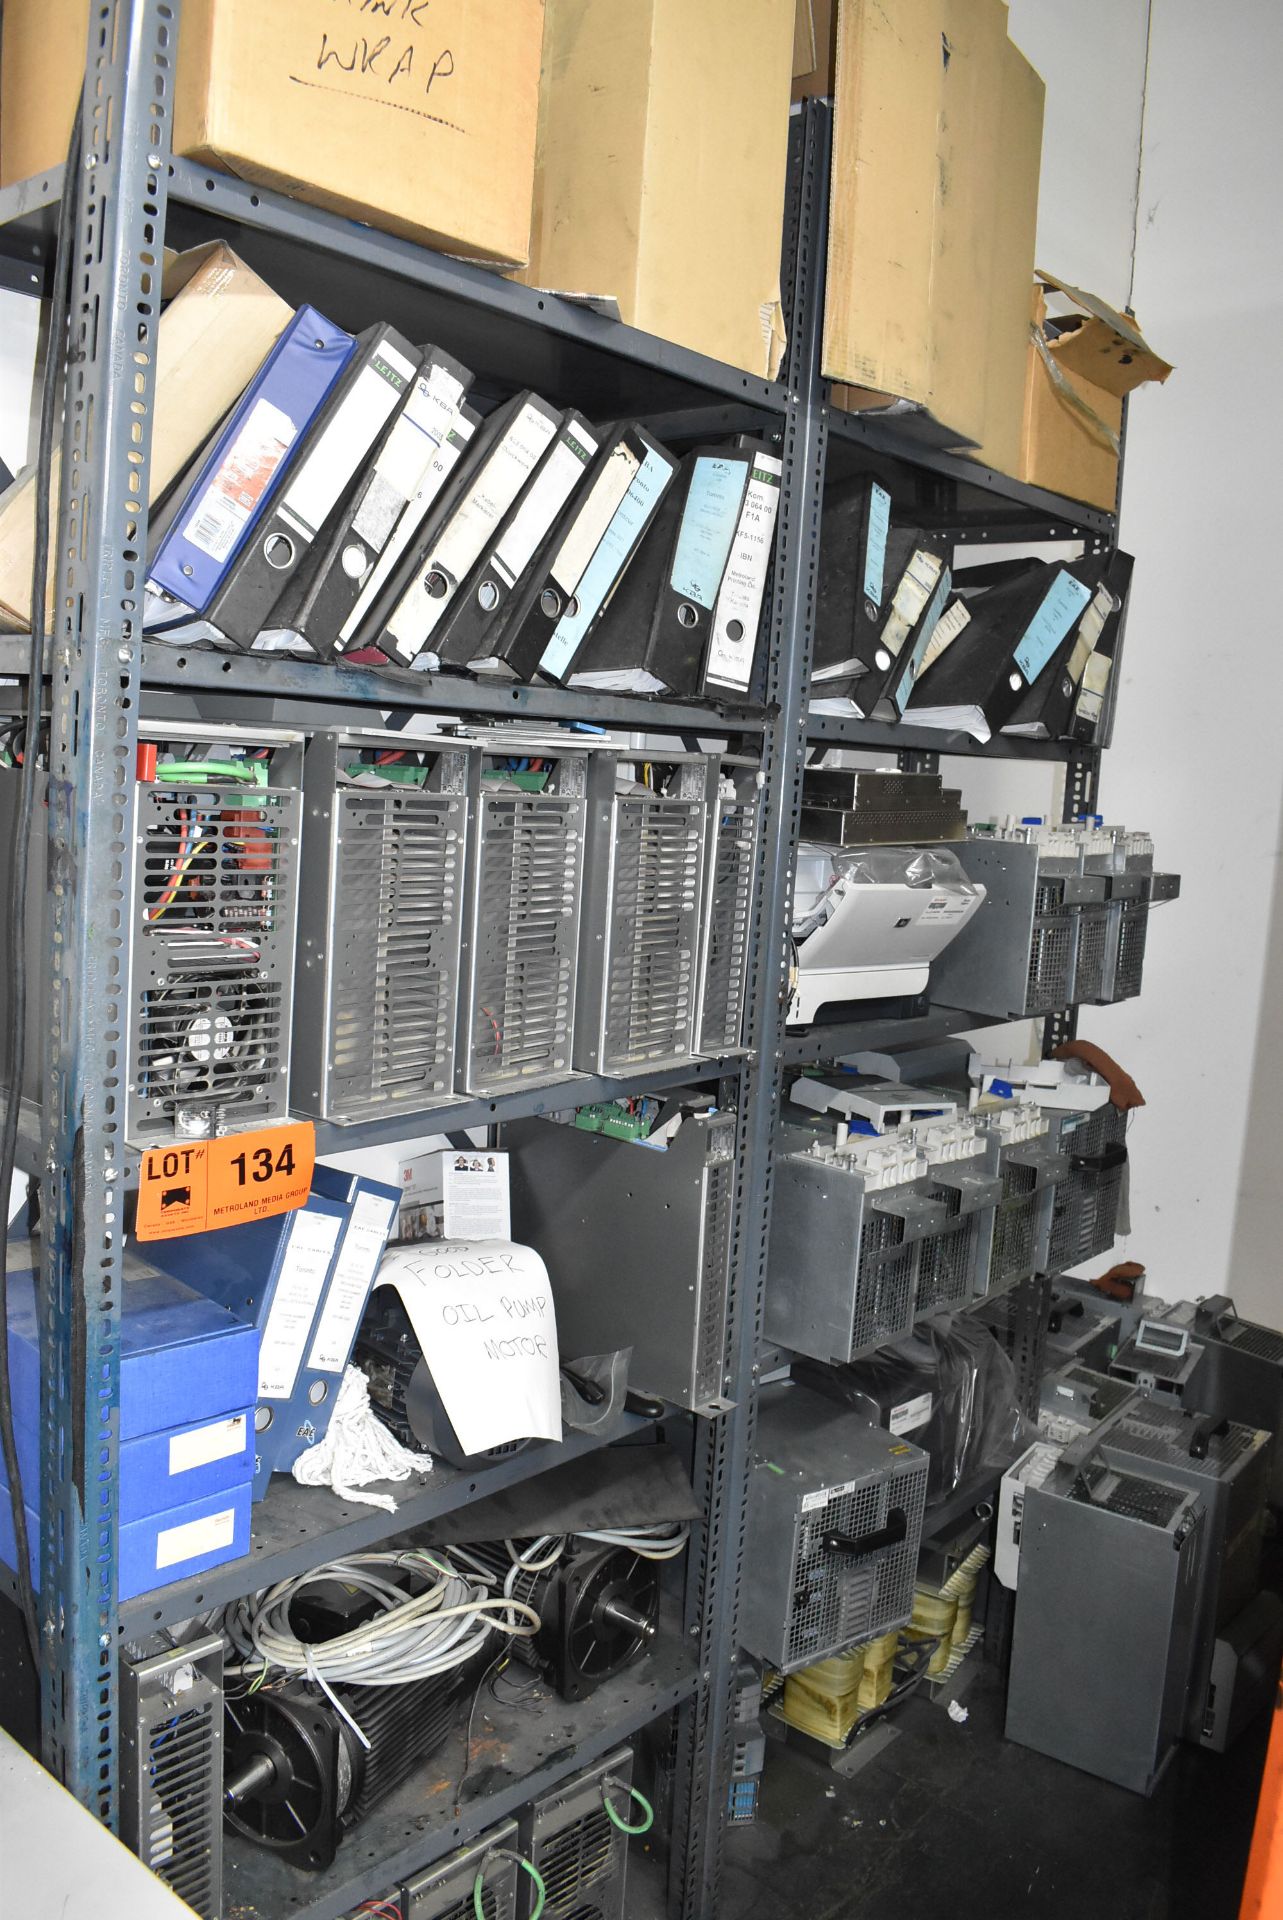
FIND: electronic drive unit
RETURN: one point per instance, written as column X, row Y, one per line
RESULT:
column 730, row 865
column 381, row 911
column 618, row 1222
column 834, row 1526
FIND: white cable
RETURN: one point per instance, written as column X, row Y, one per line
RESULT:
column 660, row 1542
column 356, row 1449
column 413, row 1637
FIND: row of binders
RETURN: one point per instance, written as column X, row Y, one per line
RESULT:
column 1023, row 647
column 357, row 500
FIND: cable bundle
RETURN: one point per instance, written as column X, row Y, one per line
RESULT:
column 413, row 1637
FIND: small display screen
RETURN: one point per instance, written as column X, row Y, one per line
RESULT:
column 1153, row 1337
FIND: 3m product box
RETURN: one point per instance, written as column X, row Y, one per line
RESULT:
column 416, row 118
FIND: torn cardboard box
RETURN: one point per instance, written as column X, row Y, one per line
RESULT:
column 1081, row 361
column 220, row 323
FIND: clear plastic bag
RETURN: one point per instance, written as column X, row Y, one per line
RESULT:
column 973, row 1425
column 822, row 874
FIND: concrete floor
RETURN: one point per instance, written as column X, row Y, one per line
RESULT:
column 951, row 1822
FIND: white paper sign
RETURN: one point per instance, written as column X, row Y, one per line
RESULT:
column 474, row 1196
column 195, row 1537
column 199, row 1446
column 483, row 1313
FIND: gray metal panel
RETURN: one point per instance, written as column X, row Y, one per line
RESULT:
column 819, row 1471
column 620, row 1224
column 171, row 1786
column 1016, row 955
column 1231, row 1480
column 1103, row 1633
column 445, row 1892
column 380, row 922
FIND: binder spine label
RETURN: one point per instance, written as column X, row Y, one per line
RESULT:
column 1089, row 631
column 359, row 1256
column 298, row 1289
column 947, row 629
column 548, row 493
column 341, row 445
column 875, row 548
column 479, row 513
column 1064, row 599
column 708, row 526
column 417, row 432
column 591, row 522
column 440, row 467
column 246, row 470
column 613, row 550
column 930, row 620
column 739, row 604
column 917, row 583
column 1091, row 695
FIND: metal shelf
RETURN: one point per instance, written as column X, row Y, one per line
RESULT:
column 840, row 730
column 971, row 496
column 357, row 274
column 297, row 1528
column 886, row 1026
column 516, row 1754
column 300, row 688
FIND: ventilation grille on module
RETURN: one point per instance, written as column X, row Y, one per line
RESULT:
column 653, row 930
column 730, row 903
column 526, row 932
column 395, row 950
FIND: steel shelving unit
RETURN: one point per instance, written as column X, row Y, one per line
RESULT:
column 130, row 200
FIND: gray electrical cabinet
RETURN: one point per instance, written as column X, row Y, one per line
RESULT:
column 618, row 1223
column 445, row 1892
column 1228, row 1467
column 171, row 1776
column 729, row 862
column 578, row 1851
column 834, row 1526
column 1105, row 1619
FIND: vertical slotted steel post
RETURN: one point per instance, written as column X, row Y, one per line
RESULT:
column 97, row 562
column 724, row 1446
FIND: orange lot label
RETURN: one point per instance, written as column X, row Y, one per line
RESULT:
column 188, row 1187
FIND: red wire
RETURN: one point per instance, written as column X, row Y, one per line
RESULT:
column 385, row 759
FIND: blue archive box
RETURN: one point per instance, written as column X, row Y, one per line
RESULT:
column 188, row 1369
column 274, row 1273
column 161, row 1548
column 250, row 459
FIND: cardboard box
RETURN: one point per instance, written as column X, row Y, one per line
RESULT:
column 159, row 1548
column 1079, row 367
column 663, row 146
column 417, row 116
column 937, row 145
column 220, row 323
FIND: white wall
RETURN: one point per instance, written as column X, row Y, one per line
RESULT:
column 1196, row 753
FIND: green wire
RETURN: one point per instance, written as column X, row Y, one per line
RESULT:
column 648, row 1812
column 204, row 773
column 526, row 1866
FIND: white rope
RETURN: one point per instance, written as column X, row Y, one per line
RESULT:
column 357, row 1449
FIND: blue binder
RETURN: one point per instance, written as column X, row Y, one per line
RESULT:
column 250, row 459
column 274, row 1273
